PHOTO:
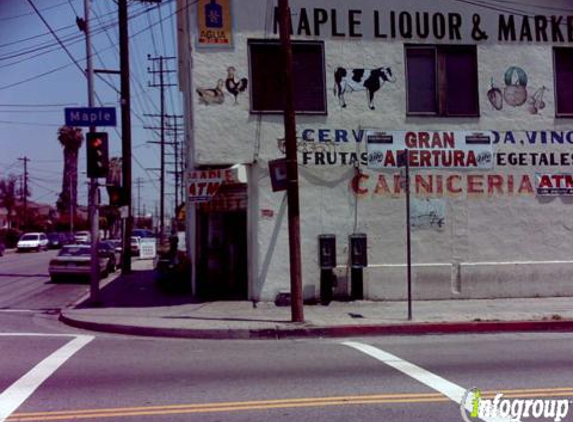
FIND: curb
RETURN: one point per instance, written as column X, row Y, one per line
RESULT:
column 297, row 332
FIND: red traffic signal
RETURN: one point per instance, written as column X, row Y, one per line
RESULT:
column 117, row 197
column 97, row 154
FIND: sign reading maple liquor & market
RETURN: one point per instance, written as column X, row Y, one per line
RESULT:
column 214, row 23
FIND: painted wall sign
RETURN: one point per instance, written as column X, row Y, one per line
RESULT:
column 338, row 147
column 204, row 184
column 365, row 184
column 214, row 23
column 523, row 137
column 554, row 184
column 526, row 159
column 436, row 149
column 423, row 25
column 214, row 95
column 515, row 93
column 358, row 79
column 428, row 213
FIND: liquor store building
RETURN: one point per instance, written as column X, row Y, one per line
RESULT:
column 479, row 94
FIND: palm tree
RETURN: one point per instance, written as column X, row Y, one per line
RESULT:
column 71, row 139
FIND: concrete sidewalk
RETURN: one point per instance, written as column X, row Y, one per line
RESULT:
column 134, row 305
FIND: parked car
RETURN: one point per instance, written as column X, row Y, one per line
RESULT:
column 135, row 246
column 142, row 233
column 55, row 240
column 74, row 260
column 32, row 242
column 108, row 251
column 82, row 237
column 67, row 238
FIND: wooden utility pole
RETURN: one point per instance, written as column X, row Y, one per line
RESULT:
column 138, row 183
column 161, row 71
column 125, row 131
column 292, row 167
column 93, row 194
column 25, row 192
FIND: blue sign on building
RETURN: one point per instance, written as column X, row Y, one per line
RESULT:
column 90, row 116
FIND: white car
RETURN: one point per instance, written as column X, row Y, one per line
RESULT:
column 32, row 242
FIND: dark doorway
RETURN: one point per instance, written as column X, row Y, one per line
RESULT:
column 222, row 249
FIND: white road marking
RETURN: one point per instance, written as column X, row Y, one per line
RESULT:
column 8, row 311
column 18, row 393
column 453, row 391
column 38, row 335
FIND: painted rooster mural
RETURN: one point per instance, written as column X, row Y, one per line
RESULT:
column 234, row 86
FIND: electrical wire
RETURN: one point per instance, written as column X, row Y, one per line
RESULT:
column 510, row 9
column 39, row 105
column 31, row 13
column 70, row 64
column 12, row 122
column 33, row 37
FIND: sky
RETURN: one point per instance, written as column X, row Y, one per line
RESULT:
column 38, row 79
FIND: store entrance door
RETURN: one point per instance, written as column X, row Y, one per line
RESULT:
column 222, row 251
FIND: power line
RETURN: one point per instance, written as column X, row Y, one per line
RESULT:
column 56, row 37
column 33, row 37
column 30, row 111
column 30, row 13
column 11, row 122
column 508, row 9
column 39, row 105
column 69, row 64
column 70, row 39
column 33, row 78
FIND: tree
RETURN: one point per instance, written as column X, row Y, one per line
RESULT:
column 71, row 139
column 8, row 197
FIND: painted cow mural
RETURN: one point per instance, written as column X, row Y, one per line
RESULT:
column 370, row 80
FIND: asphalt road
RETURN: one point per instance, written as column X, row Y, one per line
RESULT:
column 51, row 372
column 25, row 284
column 119, row 378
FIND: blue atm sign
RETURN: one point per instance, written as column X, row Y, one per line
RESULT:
column 90, row 116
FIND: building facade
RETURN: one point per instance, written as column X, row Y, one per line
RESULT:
column 479, row 94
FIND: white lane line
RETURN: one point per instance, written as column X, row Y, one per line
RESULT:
column 39, row 335
column 18, row 393
column 10, row 311
column 453, row 391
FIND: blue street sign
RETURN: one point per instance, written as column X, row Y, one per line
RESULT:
column 90, row 116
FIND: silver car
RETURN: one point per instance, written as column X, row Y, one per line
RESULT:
column 75, row 260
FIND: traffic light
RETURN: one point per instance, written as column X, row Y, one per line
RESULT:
column 97, row 154
column 117, row 196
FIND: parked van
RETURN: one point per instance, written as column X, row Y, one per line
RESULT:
column 32, row 242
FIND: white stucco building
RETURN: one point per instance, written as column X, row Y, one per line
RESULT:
column 481, row 96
